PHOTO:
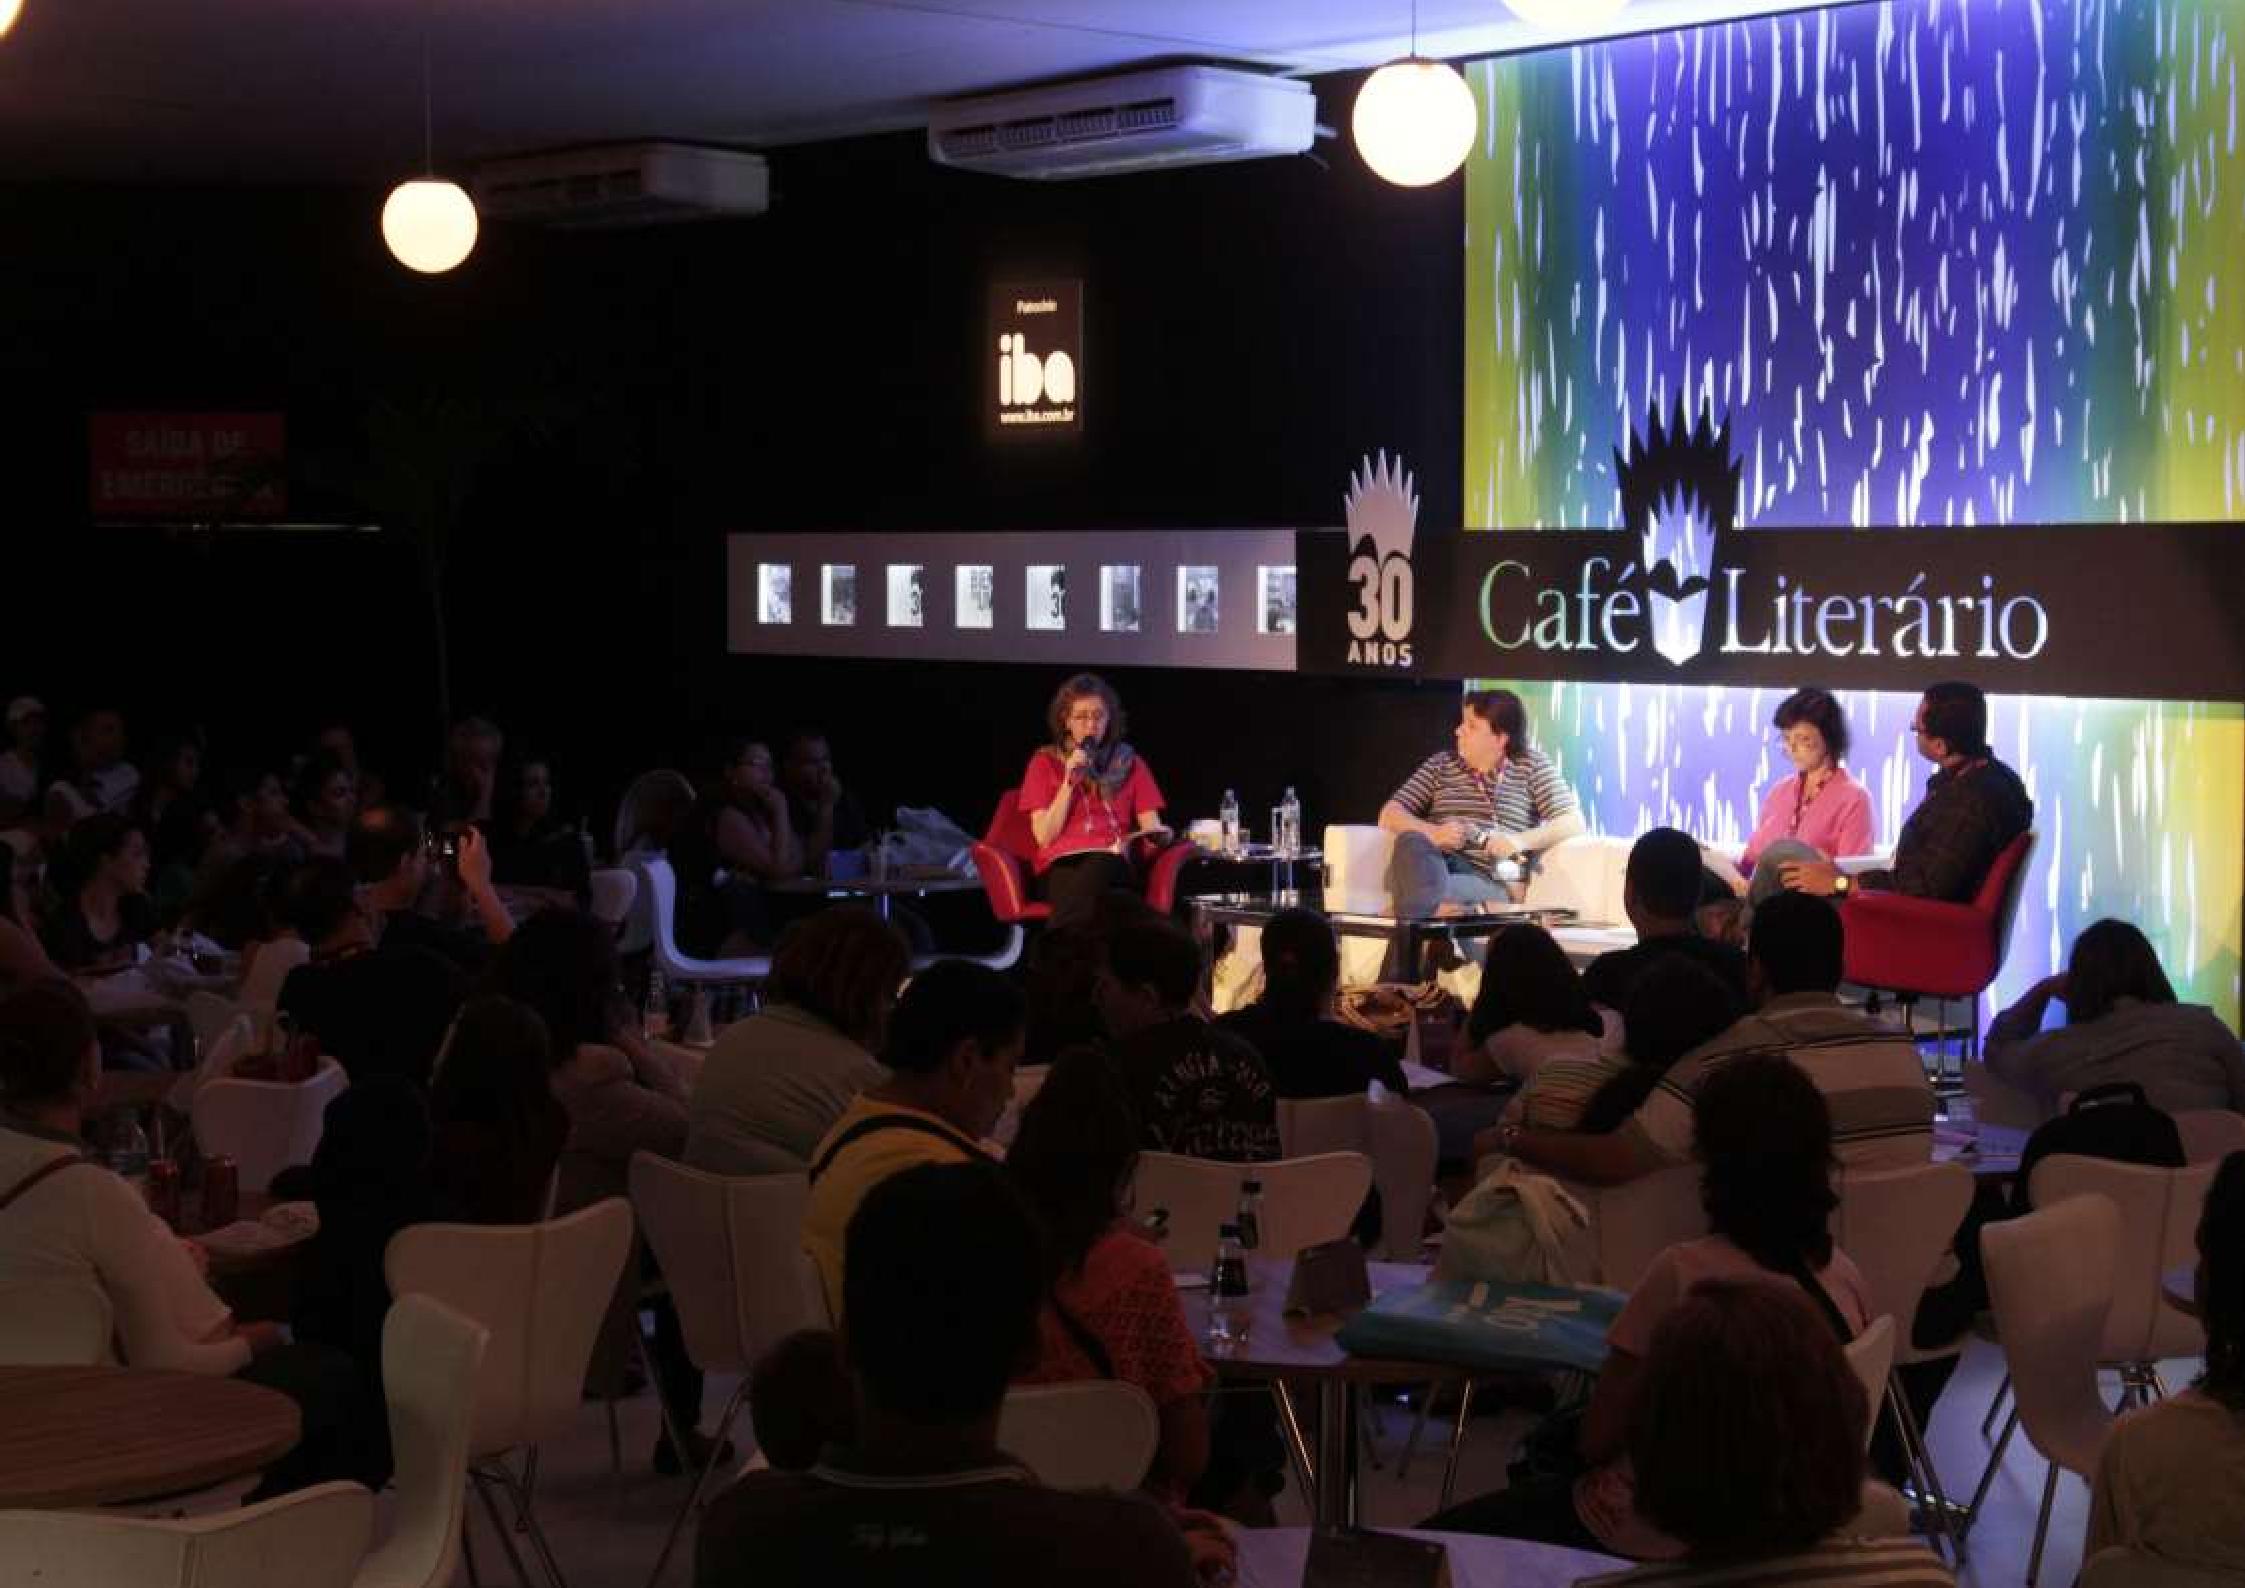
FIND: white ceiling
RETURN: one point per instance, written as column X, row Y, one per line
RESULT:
column 329, row 90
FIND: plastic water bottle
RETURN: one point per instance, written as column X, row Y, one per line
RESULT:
column 655, row 1020
column 128, row 1154
column 1228, row 815
column 1250, row 1215
column 1289, row 836
column 1228, row 1312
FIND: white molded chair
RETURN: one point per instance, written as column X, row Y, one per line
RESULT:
column 2159, row 1208
column 265, row 1126
column 613, row 890
column 431, row 1357
column 56, row 1323
column 1871, row 1355
column 1098, row 1434
column 316, row 1535
column 2210, row 1134
column 2050, row 1276
column 1395, row 1134
column 660, row 884
column 1306, row 1201
column 731, row 1250
column 1632, row 1224
column 542, row 1291
column 2122, row 1567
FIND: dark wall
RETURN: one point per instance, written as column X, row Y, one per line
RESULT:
column 630, row 399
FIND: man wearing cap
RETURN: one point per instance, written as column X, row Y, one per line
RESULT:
column 20, row 764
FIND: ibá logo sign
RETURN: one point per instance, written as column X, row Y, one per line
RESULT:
column 1036, row 382
column 1383, row 519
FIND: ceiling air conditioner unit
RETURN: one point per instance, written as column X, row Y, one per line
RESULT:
column 1136, row 121
column 624, row 184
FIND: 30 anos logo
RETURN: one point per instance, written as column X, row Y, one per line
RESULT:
column 1383, row 519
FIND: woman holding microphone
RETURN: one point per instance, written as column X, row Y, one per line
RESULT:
column 1087, row 795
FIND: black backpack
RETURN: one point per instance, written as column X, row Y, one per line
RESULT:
column 2113, row 1121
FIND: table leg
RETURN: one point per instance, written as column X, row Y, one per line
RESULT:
column 1336, row 1453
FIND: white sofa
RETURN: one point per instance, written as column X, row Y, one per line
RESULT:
column 1580, row 874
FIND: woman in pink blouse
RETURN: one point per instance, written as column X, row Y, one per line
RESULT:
column 1087, row 795
column 1818, row 813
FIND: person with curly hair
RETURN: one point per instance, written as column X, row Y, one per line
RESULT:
column 1087, row 793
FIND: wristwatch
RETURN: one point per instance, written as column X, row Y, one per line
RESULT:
column 1842, row 885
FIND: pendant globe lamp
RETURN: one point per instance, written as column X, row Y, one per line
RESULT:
column 428, row 223
column 10, row 10
column 1415, row 118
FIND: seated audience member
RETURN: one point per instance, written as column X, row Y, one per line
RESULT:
column 102, row 912
column 70, row 1219
column 1747, row 1442
column 943, row 1289
column 1881, row 1103
column 468, row 787
column 953, row 1041
column 251, row 809
column 1973, row 806
column 774, row 1084
column 1763, row 1137
column 327, row 798
column 23, row 765
column 174, row 810
column 1111, row 1308
column 378, row 1008
column 2170, row 1478
column 826, row 817
column 1676, row 1005
column 532, row 847
column 1199, row 1091
column 335, row 737
column 1660, row 895
column 389, row 852
column 2122, row 1024
column 737, row 837
column 1307, row 1052
column 1531, row 1009
column 98, row 778
column 497, row 1129
column 23, row 959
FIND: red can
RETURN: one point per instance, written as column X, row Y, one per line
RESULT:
column 163, row 1190
column 222, row 1196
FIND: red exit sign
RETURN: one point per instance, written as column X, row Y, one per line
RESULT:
column 189, row 465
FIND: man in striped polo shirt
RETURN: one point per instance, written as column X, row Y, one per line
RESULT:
column 1870, row 1075
column 1492, row 798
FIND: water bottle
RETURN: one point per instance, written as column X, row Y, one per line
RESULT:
column 1250, row 1215
column 128, row 1154
column 1289, row 836
column 1228, row 815
column 655, row 1020
column 1227, row 1293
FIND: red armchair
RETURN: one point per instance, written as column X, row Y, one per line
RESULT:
column 1008, row 854
column 1927, row 948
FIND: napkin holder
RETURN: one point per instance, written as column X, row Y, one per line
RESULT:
column 1329, row 1278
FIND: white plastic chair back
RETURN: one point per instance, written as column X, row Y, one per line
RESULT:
column 1404, row 1149
column 2122, row 1567
column 1871, row 1356
column 1099, row 1434
column 2210, row 1134
column 56, row 1323
column 542, row 1290
column 731, row 1249
column 431, row 1358
column 1356, row 869
column 1632, row 1224
column 2049, row 1277
column 1324, row 1124
column 661, row 886
column 1895, row 1224
column 265, row 1126
column 315, row 1535
column 649, row 789
column 1028, row 1081
column 1306, row 1201
column 2159, row 1209
column 613, row 891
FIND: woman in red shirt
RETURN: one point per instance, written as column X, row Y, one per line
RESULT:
column 1087, row 795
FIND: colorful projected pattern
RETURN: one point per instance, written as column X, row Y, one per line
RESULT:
column 1940, row 264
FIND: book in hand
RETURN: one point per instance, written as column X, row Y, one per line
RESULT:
column 1357, row 1558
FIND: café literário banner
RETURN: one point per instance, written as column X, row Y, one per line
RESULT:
column 1678, row 595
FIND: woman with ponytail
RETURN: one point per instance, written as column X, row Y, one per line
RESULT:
column 1307, row 1051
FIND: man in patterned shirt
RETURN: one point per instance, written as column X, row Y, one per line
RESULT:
column 1492, row 798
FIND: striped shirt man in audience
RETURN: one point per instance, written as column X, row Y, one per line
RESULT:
column 1492, row 798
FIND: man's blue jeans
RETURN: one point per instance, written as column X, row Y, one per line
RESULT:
column 1420, row 877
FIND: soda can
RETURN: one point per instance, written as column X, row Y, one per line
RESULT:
column 163, row 1190
column 222, row 1200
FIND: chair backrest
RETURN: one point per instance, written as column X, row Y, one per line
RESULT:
column 265, row 1126
column 2159, row 1209
column 2050, row 1274
column 315, row 1535
column 650, row 810
column 1324, row 1124
column 731, row 1249
column 1998, row 897
column 432, row 1358
column 1306, row 1201
column 661, row 886
column 1356, row 868
column 56, row 1323
column 541, row 1289
column 2122, row 1567
column 1009, row 829
column 1394, row 1133
column 1099, row 1434
column 2210, row 1134
column 1895, row 1224
column 613, row 890
column 1632, row 1224
column 1871, row 1356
